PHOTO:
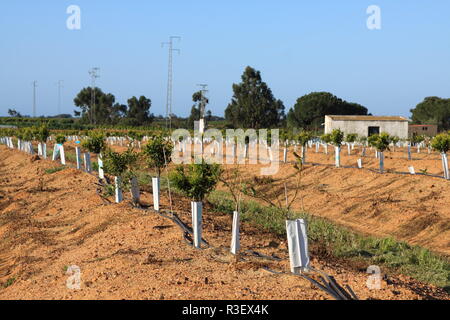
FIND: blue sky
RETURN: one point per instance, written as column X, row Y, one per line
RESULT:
column 299, row 47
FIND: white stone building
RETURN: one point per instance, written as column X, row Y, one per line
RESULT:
column 365, row 126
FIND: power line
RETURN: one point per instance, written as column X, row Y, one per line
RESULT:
column 170, row 80
column 60, row 86
column 94, row 75
column 34, row 98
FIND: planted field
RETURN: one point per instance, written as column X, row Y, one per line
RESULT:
column 54, row 217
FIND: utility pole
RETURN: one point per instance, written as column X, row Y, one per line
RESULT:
column 34, row 98
column 202, row 106
column 170, row 80
column 94, row 75
column 60, row 86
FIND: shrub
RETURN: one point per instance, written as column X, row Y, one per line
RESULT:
column 158, row 153
column 60, row 139
column 196, row 180
column 351, row 137
column 337, row 136
column 42, row 133
column 304, row 136
column 95, row 142
column 326, row 138
column 380, row 141
column 441, row 143
column 117, row 164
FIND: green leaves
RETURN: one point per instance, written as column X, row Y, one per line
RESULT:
column 326, row 138
column 433, row 110
column 441, row 142
column 60, row 139
column 351, row 137
column 196, row 180
column 95, row 142
column 42, row 133
column 253, row 104
column 304, row 136
column 380, row 141
column 158, row 153
column 117, row 164
column 310, row 110
column 336, row 137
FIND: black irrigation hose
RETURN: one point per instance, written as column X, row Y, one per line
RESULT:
column 330, row 287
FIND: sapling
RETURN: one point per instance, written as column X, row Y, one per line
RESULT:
column 232, row 179
column 196, row 181
column 441, row 143
column 326, row 138
column 363, row 141
column 394, row 140
column 120, row 165
column 58, row 148
column 350, row 139
column 42, row 134
column 95, row 143
column 381, row 142
column 158, row 154
column 28, row 136
column 337, row 136
column 295, row 228
column 303, row 138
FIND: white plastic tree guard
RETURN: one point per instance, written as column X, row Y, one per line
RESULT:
column 411, row 170
column 55, row 152
column 196, row 209
column 298, row 245
column 409, row 152
column 62, row 154
column 381, row 158
column 78, row 156
column 359, row 162
column 43, row 147
column 135, row 192
column 40, row 153
column 285, row 153
column 303, row 154
column 118, row 190
column 337, row 151
column 349, row 149
column 156, row 187
column 445, row 166
column 317, row 147
column 87, row 162
column 235, row 236
column 101, row 172
column 325, row 149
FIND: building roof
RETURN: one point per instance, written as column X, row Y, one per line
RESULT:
column 423, row 125
column 367, row 118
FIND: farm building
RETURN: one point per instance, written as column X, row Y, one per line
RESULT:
column 423, row 130
column 366, row 126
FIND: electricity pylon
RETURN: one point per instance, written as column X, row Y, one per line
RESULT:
column 170, row 80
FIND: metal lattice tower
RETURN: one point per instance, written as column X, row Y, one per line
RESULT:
column 34, row 98
column 204, row 100
column 94, row 75
column 60, row 86
column 170, row 80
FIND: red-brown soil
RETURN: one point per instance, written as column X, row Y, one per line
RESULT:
column 49, row 222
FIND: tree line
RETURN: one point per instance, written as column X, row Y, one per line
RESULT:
column 253, row 105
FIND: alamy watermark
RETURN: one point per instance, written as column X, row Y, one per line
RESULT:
column 73, row 22
column 374, row 19
column 238, row 146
